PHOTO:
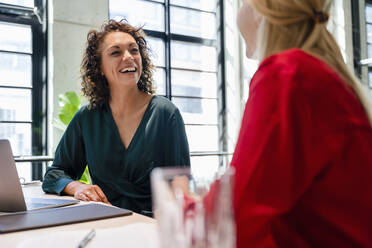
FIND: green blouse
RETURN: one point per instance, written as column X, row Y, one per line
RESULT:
column 123, row 174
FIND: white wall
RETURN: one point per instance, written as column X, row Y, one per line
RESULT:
column 69, row 23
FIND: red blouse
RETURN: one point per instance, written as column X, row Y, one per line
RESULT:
column 303, row 159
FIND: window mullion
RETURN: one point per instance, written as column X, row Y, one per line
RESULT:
column 168, row 75
column 39, row 90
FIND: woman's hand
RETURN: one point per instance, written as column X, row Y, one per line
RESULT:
column 181, row 183
column 86, row 192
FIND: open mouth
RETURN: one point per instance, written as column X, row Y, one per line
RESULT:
column 129, row 69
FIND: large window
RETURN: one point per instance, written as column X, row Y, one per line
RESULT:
column 362, row 39
column 187, row 46
column 23, row 80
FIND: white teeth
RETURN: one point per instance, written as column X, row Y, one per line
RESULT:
column 129, row 69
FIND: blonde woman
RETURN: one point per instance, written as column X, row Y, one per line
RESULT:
column 303, row 159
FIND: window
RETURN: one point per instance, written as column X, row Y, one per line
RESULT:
column 183, row 35
column 362, row 39
column 368, row 15
column 23, row 80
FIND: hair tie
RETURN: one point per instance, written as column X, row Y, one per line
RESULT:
column 321, row 17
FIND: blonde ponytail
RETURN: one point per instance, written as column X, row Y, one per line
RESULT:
column 291, row 24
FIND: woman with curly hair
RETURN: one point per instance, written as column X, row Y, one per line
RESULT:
column 124, row 132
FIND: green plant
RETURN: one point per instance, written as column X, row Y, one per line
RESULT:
column 70, row 103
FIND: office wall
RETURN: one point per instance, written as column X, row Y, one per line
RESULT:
column 69, row 22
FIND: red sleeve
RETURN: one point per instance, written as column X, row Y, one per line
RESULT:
column 279, row 150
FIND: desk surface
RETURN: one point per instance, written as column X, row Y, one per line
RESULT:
column 13, row 239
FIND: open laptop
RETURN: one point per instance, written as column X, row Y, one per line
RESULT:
column 11, row 195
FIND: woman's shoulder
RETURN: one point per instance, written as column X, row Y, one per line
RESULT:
column 163, row 104
column 295, row 60
column 86, row 112
column 301, row 67
column 286, row 55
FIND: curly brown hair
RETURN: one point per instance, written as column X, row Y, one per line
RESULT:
column 94, row 84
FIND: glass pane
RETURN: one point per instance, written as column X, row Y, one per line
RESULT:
column 370, row 79
column 204, row 168
column 26, row 3
column 369, row 13
column 197, row 111
column 209, row 140
column 191, row 83
column 193, row 23
column 157, row 47
column 138, row 13
column 15, row 69
column 369, row 50
column 19, row 136
column 24, row 171
column 159, row 79
column 15, row 105
column 193, row 56
column 15, row 37
column 369, row 33
column 207, row 5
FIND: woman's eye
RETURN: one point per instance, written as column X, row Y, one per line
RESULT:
column 135, row 50
column 115, row 53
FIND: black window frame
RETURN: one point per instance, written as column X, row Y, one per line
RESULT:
column 39, row 88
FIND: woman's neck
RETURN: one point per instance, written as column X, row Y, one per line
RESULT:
column 125, row 101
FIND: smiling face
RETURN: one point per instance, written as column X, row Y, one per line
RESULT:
column 121, row 61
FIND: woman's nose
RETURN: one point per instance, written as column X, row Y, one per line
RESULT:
column 127, row 56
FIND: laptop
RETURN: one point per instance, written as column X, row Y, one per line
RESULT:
column 11, row 195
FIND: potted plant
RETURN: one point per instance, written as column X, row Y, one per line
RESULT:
column 70, row 103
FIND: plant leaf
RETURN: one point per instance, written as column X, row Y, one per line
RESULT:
column 70, row 104
column 73, row 98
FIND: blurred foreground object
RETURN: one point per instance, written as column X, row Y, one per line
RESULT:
column 193, row 217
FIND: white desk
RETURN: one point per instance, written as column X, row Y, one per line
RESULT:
column 13, row 239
